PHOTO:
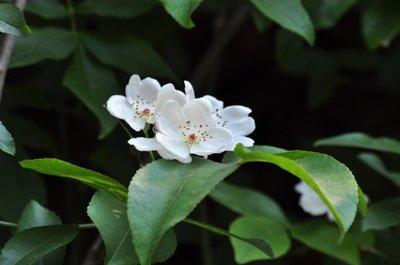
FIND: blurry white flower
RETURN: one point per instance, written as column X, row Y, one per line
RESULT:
column 138, row 107
column 190, row 129
column 310, row 201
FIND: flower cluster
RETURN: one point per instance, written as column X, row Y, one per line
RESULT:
column 182, row 124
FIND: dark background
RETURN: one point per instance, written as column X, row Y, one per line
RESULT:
column 297, row 97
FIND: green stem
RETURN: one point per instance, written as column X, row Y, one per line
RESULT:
column 71, row 12
column 9, row 225
column 125, row 129
column 146, row 133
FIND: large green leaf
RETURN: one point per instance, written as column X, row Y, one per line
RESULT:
column 323, row 237
column 290, row 14
column 109, row 215
column 93, row 84
column 247, row 202
column 116, row 8
column 382, row 215
column 36, row 215
column 163, row 193
column 59, row 168
column 375, row 163
column 326, row 14
column 6, row 141
column 331, row 180
column 12, row 20
column 129, row 54
column 46, row 43
column 181, row 10
column 17, row 188
column 362, row 140
column 267, row 229
column 380, row 22
column 49, row 9
column 29, row 246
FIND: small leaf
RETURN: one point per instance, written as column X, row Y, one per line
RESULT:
column 383, row 214
column 6, row 141
column 260, row 244
column 46, row 43
column 36, row 215
column 326, row 14
column 48, row 9
column 269, row 230
column 12, row 20
column 181, row 10
column 362, row 140
column 375, row 163
column 331, row 180
column 247, row 202
column 109, row 215
column 116, row 8
column 362, row 202
column 59, row 168
column 129, row 54
column 324, row 238
column 290, row 14
column 29, row 246
column 163, row 193
column 380, row 22
column 93, row 84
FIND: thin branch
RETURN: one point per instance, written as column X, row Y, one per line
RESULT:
column 92, row 257
column 6, row 50
column 9, row 225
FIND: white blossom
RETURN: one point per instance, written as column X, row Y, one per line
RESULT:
column 311, row 202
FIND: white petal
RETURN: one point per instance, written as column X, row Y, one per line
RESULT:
column 168, row 92
column 131, row 88
column 246, row 141
column 169, row 118
column 243, row 127
column 199, row 111
column 149, row 89
column 119, row 107
column 164, row 153
column 220, row 141
column 176, row 146
column 189, row 90
column 145, row 144
column 309, row 200
column 217, row 105
column 235, row 113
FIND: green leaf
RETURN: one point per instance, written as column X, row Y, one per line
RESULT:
column 46, row 43
column 29, row 246
column 259, row 244
column 93, row 84
column 163, row 193
column 380, row 22
column 383, row 214
column 6, row 141
column 260, row 21
column 362, row 140
column 325, row 14
column 116, row 8
column 49, row 9
column 109, row 215
column 375, row 163
column 128, row 54
column 290, row 14
column 247, row 202
column 324, row 238
column 17, row 188
column 269, row 230
column 181, row 10
column 362, row 202
column 36, row 215
column 330, row 179
column 59, row 168
column 12, row 20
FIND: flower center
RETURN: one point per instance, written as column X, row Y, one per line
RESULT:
column 192, row 138
column 194, row 133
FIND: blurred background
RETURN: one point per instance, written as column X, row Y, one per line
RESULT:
column 347, row 81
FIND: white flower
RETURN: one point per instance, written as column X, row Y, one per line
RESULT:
column 190, row 129
column 138, row 107
column 311, row 202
